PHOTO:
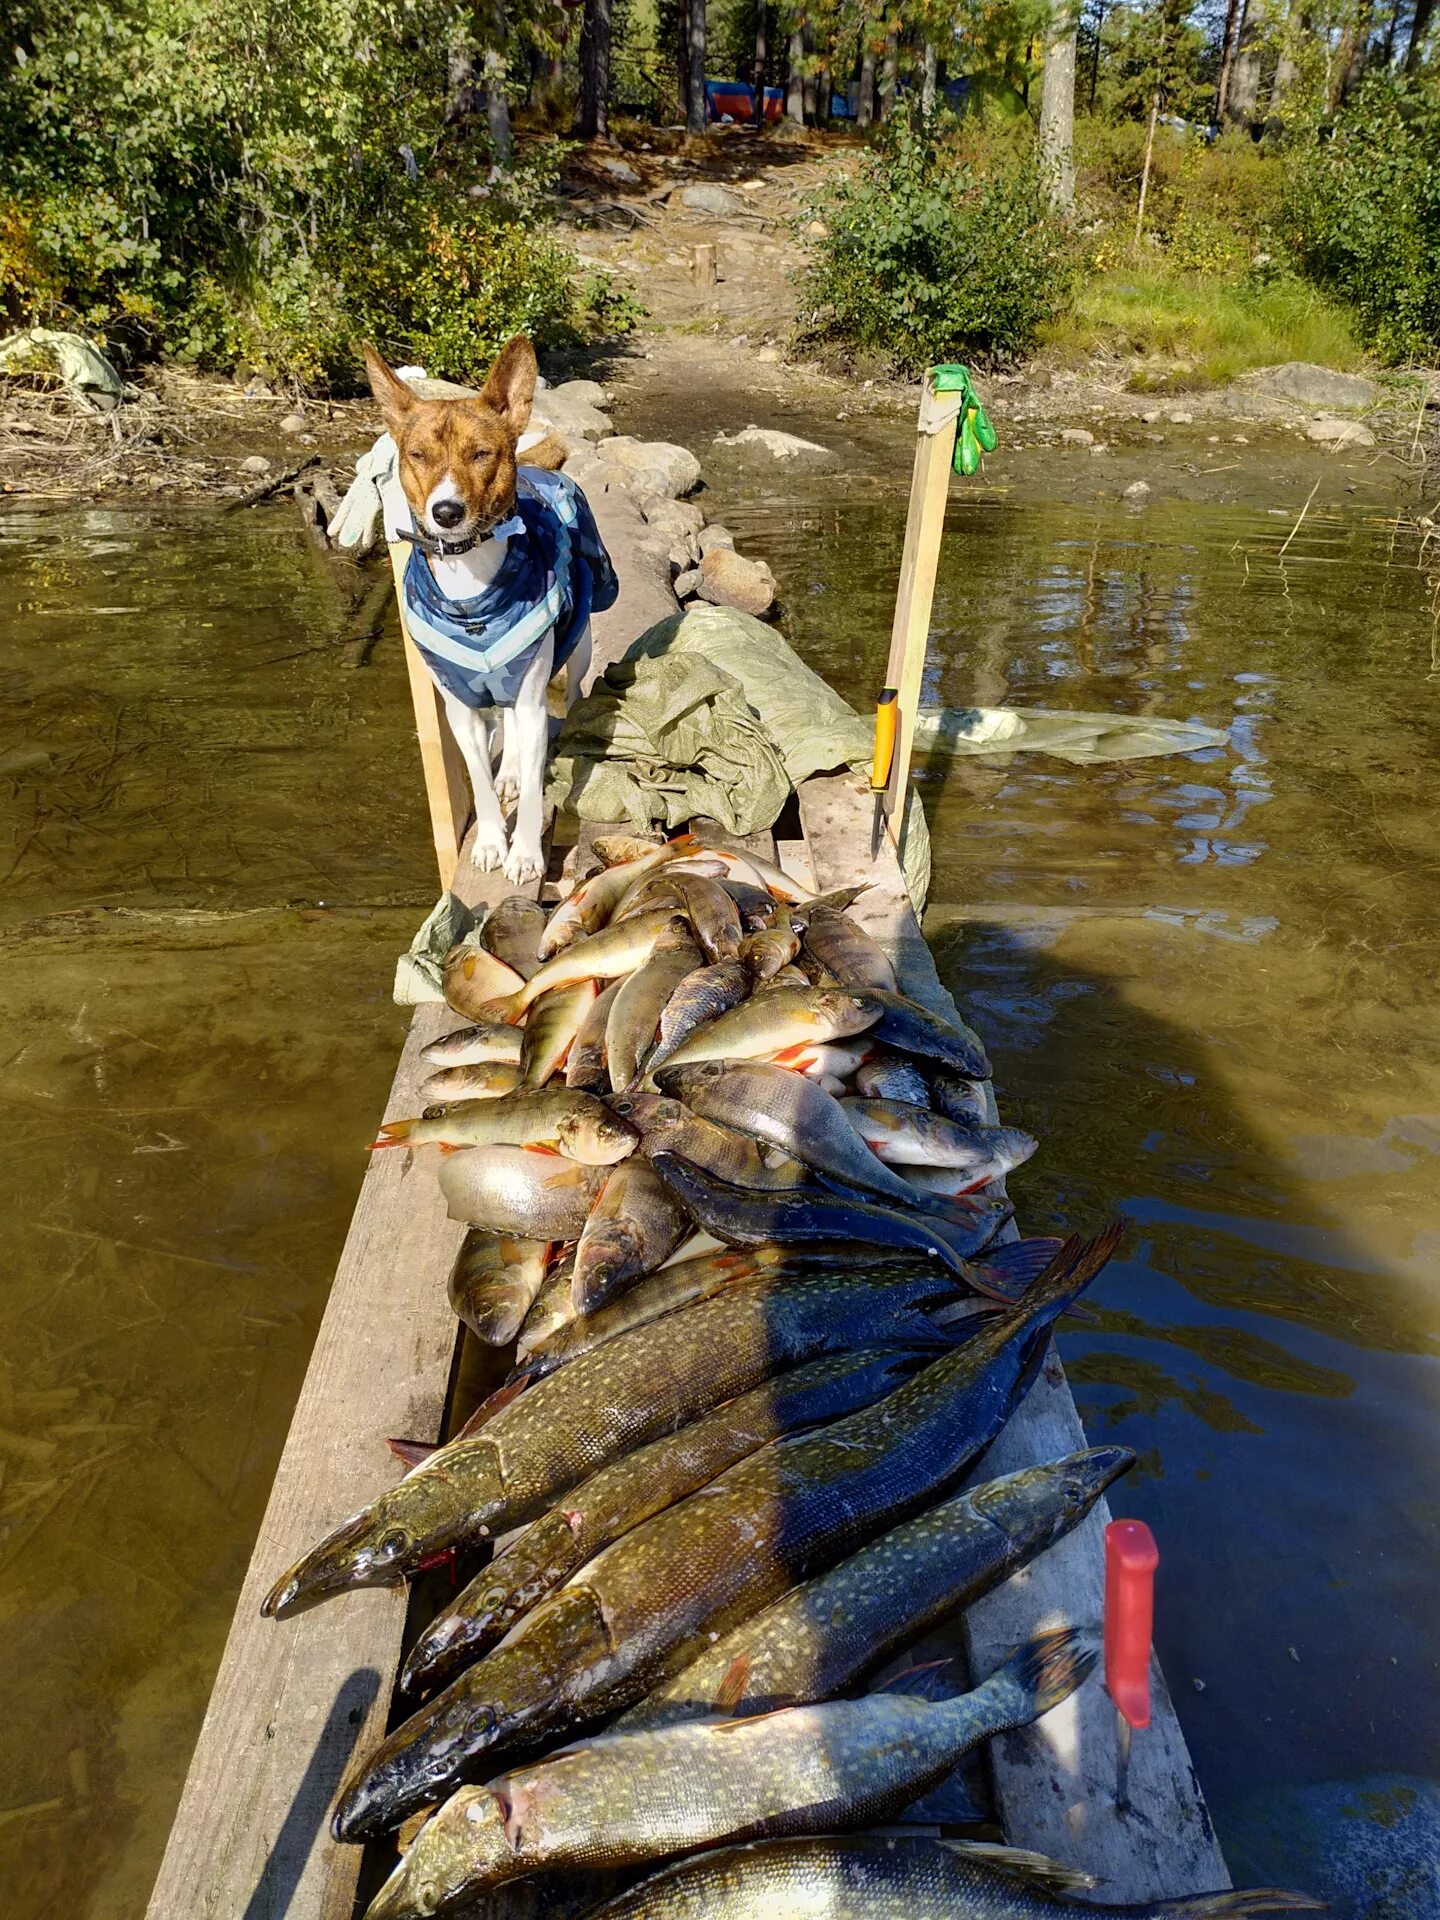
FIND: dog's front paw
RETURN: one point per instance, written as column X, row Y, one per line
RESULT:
column 524, row 863
column 507, row 790
column 489, row 849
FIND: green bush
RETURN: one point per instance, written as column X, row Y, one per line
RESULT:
column 925, row 258
column 1362, row 213
column 269, row 182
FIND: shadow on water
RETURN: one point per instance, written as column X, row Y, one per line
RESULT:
column 314, row 1797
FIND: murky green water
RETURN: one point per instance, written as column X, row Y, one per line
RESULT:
column 1207, row 984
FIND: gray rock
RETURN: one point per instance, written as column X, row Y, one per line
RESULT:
column 727, row 580
column 255, row 463
column 1099, row 447
column 293, row 423
column 704, row 198
column 572, row 420
column 676, row 519
column 1152, row 416
column 1181, row 419
column 1315, row 386
column 782, row 446
column 716, row 537
column 1137, row 490
column 620, row 170
column 1340, row 433
column 582, row 393
column 651, row 466
column 1076, row 437
column 768, row 355
column 687, row 585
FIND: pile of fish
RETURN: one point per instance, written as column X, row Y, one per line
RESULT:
column 730, row 1194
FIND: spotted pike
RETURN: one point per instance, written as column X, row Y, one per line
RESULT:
column 700, row 998
column 635, row 1224
column 820, row 1638
column 867, row 1876
column 495, row 1282
column 847, row 950
column 633, row 1389
column 645, row 1606
column 633, row 1488
column 782, row 1017
column 632, row 1797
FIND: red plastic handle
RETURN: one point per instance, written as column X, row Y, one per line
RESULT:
column 1131, row 1558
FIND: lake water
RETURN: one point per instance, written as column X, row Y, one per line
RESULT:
column 1207, row 984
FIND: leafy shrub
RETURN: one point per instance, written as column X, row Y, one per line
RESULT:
column 926, row 259
column 1362, row 214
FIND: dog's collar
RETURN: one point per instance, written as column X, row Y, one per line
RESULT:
column 442, row 549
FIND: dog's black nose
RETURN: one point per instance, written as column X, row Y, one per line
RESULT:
column 449, row 513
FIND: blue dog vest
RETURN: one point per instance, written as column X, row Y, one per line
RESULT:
column 555, row 573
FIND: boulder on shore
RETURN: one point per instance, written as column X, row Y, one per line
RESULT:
column 1314, row 386
column 729, row 580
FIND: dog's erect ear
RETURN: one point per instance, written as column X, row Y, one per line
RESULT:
column 511, row 386
column 394, row 397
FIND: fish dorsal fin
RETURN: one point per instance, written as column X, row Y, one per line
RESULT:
column 731, row 1690
column 412, row 1453
column 929, row 1681
column 1035, row 1869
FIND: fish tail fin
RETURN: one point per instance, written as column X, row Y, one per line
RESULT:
column 1074, row 1265
column 393, row 1133
column 1228, row 1905
column 1038, row 1675
column 1014, row 1267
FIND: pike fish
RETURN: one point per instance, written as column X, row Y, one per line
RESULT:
column 516, row 1190
column 631, row 1797
column 787, row 1110
column 551, row 1029
column 633, row 1389
column 633, row 1488
column 634, row 1022
column 783, row 1017
column 847, row 950
column 700, row 998
column 635, row 1224
column 576, row 1125
column 871, row 1876
column 482, row 1080
column 805, row 1216
column 643, row 1608
column 613, row 951
column 585, row 1062
column 492, row 1040
column 495, row 1282
column 471, row 979
column 904, row 1135
column 668, row 1126
column 913, row 1029
column 513, row 930
column 820, row 1638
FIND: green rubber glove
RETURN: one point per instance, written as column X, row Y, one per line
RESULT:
column 974, row 434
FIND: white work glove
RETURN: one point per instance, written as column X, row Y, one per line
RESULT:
column 375, row 490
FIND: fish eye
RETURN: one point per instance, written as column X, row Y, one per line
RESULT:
column 395, row 1541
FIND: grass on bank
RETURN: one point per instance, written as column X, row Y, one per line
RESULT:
column 1190, row 330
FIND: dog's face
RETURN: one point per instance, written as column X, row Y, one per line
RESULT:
column 457, row 457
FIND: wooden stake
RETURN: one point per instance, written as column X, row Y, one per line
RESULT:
column 447, row 790
column 1145, row 173
column 924, row 530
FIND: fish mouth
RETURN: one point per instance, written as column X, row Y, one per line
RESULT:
column 322, row 1573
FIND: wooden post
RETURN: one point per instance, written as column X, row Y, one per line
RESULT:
column 924, row 530
column 447, row 790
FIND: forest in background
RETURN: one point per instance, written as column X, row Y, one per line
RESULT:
column 252, row 184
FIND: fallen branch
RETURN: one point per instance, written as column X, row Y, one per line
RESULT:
column 264, row 491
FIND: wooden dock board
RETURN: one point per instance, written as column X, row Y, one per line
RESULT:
column 295, row 1699
column 1055, row 1782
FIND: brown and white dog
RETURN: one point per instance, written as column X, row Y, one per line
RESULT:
column 498, row 591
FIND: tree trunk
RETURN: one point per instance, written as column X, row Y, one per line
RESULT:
column 695, row 114
column 762, row 55
column 888, row 70
column 865, row 103
column 794, row 84
column 824, row 88
column 1419, row 27
column 927, row 79
column 1057, row 109
column 1355, row 48
column 497, row 107
column 807, row 80
column 1227, row 61
column 592, row 120
column 1245, row 71
column 1145, row 172
column 459, row 78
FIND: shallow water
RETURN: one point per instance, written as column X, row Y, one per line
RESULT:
column 1206, row 983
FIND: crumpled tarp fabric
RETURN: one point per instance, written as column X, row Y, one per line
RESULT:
column 417, row 973
column 710, row 712
column 83, row 368
column 1081, row 738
